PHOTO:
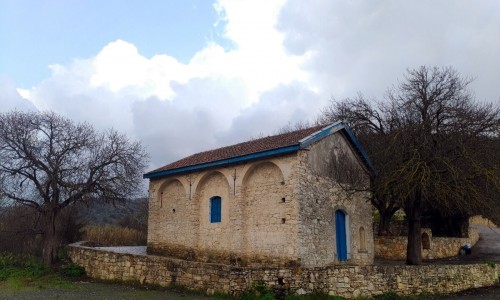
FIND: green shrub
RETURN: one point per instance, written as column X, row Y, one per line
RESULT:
column 314, row 296
column 7, row 260
column 388, row 296
column 258, row 291
column 21, row 267
column 394, row 296
column 489, row 263
column 34, row 269
column 73, row 271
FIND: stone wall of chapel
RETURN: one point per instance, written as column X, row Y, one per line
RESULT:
column 257, row 227
column 175, row 208
column 319, row 197
column 168, row 205
column 270, row 212
column 215, row 235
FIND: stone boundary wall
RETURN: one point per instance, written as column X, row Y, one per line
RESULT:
column 394, row 247
column 342, row 280
column 480, row 220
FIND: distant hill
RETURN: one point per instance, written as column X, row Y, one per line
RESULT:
column 130, row 213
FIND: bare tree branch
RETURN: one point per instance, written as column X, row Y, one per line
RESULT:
column 49, row 162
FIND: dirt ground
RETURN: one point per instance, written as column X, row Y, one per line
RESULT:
column 489, row 293
column 96, row 290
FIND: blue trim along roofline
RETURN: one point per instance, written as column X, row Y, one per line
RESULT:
column 338, row 126
column 305, row 142
column 223, row 162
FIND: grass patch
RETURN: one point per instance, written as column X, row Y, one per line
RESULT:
column 258, row 291
column 21, row 282
column 73, row 271
column 25, row 273
column 489, row 263
column 394, row 296
column 314, row 296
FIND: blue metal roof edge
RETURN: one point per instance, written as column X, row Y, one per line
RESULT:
column 305, row 142
column 227, row 161
column 330, row 129
column 358, row 147
column 320, row 134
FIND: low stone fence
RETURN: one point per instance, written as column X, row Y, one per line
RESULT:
column 394, row 247
column 343, row 280
column 480, row 220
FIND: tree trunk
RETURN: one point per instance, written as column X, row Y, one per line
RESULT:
column 51, row 237
column 413, row 212
column 414, row 247
column 384, row 222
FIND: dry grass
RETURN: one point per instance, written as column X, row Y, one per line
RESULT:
column 108, row 235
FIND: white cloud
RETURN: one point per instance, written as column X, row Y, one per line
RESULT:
column 270, row 76
column 11, row 98
column 119, row 67
column 177, row 108
column 367, row 46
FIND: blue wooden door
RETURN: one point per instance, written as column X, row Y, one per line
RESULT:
column 340, row 233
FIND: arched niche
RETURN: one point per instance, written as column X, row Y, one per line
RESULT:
column 265, row 208
column 212, row 184
column 207, row 179
column 172, row 188
column 263, row 173
column 362, row 239
column 426, row 241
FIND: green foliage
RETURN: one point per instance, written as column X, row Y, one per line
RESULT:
column 12, row 266
column 20, row 272
column 489, row 263
column 314, row 296
column 258, row 291
column 34, row 269
column 5, row 273
column 388, row 296
column 394, row 296
column 62, row 253
column 73, row 271
column 7, row 260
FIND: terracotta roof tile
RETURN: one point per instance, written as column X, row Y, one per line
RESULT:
column 245, row 148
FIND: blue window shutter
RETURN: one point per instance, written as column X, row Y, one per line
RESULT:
column 215, row 209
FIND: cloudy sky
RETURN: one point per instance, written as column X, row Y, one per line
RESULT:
column 184, row 76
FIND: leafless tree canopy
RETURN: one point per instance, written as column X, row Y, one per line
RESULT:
column 431, row 144
column 48, row 162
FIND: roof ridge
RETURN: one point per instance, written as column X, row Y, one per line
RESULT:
column 243, row 148
column 261, row 138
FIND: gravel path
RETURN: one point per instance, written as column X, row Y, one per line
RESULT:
column 487, row 249
column 487, row 293
column 136, row 250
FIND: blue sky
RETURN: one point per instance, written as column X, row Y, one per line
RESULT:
column 35, row 34
column 187, row 76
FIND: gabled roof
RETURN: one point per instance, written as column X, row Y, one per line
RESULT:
column 259, row 148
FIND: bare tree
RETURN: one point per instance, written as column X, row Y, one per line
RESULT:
column 293, row 127
column 48, row 163
column 430, row 142
column 373, row 124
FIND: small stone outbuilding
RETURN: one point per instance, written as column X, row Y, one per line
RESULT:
column 268, row 201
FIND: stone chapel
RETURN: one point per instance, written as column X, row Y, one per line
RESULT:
column 270, row 201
